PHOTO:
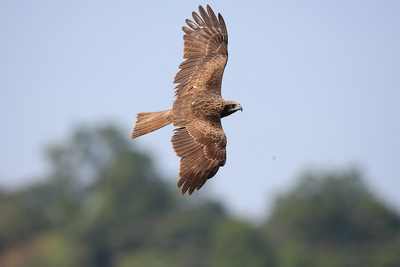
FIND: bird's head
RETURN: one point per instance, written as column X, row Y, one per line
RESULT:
column 230, row 107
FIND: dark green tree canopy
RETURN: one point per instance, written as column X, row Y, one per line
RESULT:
column 331, row 219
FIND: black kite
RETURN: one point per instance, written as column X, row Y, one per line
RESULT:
column 198, row 139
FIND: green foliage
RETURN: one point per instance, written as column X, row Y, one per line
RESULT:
column 102, row 205
column 145, row 258
column 186, row 233
column 237, row 243
column 331, row 220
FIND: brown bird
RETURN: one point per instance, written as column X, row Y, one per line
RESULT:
column 198, row 139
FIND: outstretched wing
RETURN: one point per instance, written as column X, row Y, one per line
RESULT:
column 201, row 155
column 199, row 140
column 205, row 49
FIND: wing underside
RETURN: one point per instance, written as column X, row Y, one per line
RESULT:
column 199, row 140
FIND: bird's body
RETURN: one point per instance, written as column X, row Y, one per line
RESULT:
column 198, row 139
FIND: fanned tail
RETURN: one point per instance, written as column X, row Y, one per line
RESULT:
column 151, row 121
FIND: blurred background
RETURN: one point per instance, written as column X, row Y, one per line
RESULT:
column 312, row 174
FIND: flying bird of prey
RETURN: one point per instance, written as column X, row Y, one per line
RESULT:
column 198, row 138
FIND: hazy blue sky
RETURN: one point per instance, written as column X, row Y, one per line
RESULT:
column 319, row 82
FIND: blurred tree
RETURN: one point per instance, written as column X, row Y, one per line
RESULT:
column 186, row 232
column 122, row 198
column 104, row 200
column 103, row 205
column 145, row 258
column 128, row 203
column 237, row 243
column 100, row 193
column 17, row 220
column 331, row 220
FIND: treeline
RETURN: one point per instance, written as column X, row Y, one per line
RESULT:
column 103, row 205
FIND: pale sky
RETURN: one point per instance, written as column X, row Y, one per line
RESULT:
column 319, row 82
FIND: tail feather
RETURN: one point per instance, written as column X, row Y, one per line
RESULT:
column 151, row 121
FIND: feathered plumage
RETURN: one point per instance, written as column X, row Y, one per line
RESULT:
column 198, row 139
